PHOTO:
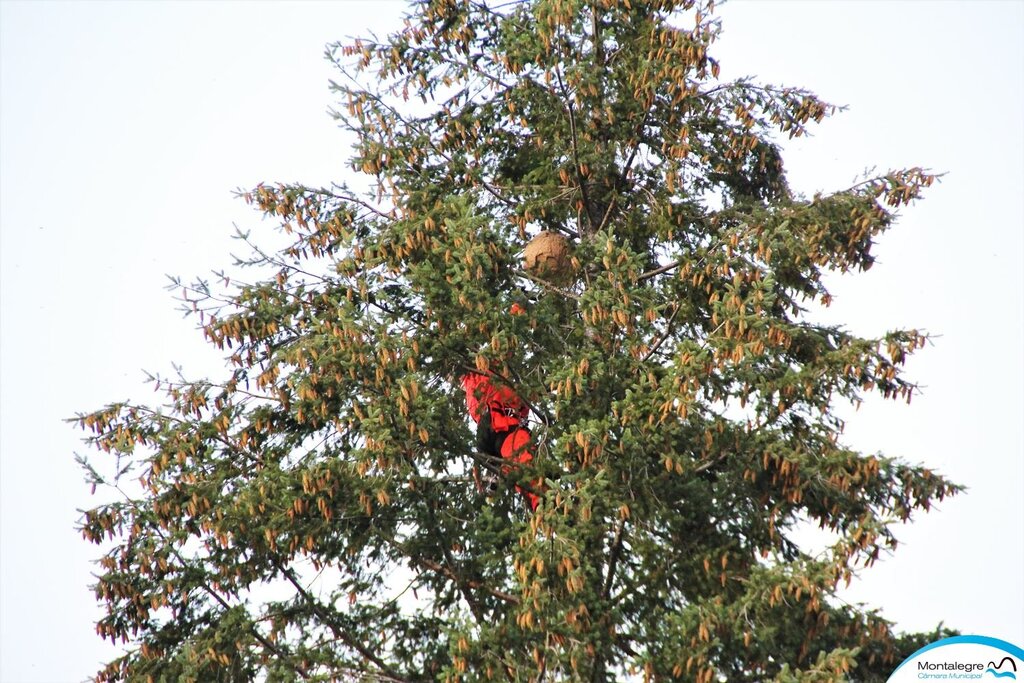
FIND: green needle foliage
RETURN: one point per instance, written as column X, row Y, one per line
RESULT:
column 317, row 513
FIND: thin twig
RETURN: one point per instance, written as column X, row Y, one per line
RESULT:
column 263, row 640
column 663, row 269
column 477, row 585
column 624, row 174
column 340, row 633
column 546, row 284
column 614, row 559
column 575, row 149
column 463, row 584
column 348, row 198
column 664, row 336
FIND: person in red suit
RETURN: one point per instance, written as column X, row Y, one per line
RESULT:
column 501, row 418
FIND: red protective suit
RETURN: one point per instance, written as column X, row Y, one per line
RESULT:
column 501, row 418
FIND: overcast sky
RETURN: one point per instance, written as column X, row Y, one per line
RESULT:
column 125, row 127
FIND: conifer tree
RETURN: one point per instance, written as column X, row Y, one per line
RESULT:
column 317, row 513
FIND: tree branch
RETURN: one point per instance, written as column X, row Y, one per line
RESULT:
column 263, row 640
column 339, row 632
column 349, row 198
column 573, row 137
column 470, row 583
column 675, row 264
column 613, row 560
column 547, row 285
column 414, row 126
column 462, row 584
column 663, row 269
column 664, row 336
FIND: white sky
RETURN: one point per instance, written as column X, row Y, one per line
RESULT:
column 124, row 128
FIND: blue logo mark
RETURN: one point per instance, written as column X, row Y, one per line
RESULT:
column 994, row 669
column 1006, row 668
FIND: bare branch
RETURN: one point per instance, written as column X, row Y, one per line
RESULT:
column 478, row 585
column 664, row 336
column 331, row 622
column 547, row 285
column 574, row 138
column 663, row 269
